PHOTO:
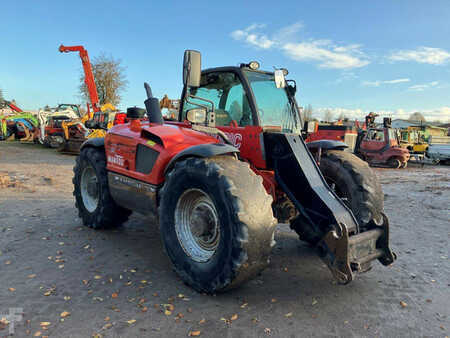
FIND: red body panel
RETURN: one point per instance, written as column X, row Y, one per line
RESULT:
column 121, row 143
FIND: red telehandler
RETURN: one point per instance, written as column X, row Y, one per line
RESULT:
column 221, row 177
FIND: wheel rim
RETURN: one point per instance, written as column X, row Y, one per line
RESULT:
column 89, row 189
column 197, row 225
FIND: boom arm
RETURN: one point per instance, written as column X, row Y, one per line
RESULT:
column 88, row 75
column 13, row 107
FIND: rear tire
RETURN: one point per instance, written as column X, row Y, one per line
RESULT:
column 356, row 184
column 235, row 236
column 95, row 205
column 394, row 163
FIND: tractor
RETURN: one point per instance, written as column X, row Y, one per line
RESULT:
column 380, row 146
column 221, row 177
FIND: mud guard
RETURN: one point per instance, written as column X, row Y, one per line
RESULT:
column 326, row 145
column 202, row 150
column 96, row 142
column 343, row 248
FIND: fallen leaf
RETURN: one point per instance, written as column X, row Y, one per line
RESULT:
column 65, row 314
column 107, row 326
column 45, row 324
column 131, row 321
column 37, row 334
column 273, row 300
column 47, row 293
column 155, row 294
column 107, row 319
column 114, row 295
column 32, row 276
column 12, row 289
column 234, row 317
column 203, row 321
column 287, row 315
column 403, row 304
column 194, row 333
column 97, row 277
column 167, row 312
column 144, row 309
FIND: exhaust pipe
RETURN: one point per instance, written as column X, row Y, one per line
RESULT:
column 152, row 106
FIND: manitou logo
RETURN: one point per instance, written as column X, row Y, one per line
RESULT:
column 116, row 159
column 236, row 139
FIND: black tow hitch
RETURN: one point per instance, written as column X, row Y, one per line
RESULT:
column 346, row 255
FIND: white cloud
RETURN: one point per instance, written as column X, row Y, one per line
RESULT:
column 379, row 83
column 433, row 56
column 324, row 52
column 442, row 114
column 422, row 87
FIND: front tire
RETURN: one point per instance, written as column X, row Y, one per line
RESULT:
column 95, row 205
column 356, row 184
column 216, row 222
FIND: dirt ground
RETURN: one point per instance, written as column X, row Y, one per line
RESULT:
column 120, row 283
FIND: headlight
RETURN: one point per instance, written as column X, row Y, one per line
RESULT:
column 253, row 65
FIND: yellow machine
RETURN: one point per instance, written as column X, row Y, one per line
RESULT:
column 413, row 140
column 88, row 126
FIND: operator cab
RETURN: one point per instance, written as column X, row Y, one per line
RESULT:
column 243, row 96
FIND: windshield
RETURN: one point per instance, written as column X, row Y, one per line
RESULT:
column 274, row 107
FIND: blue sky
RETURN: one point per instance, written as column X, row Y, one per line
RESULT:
column 346, row 56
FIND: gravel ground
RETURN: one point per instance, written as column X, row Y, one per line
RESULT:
column 120, row 283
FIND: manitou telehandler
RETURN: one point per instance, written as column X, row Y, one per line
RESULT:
column 223, row 175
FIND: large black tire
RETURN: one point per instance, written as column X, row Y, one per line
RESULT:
column 244, row 222
column 356, row 183
column 105, row 213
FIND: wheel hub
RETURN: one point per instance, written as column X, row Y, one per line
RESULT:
column 89, row 188
column 197, row 225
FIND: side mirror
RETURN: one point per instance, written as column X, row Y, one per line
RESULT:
column 192, row 68
column 311, row 127
column 197, row 115
column 280, row 81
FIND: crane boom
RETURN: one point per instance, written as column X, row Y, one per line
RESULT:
column 88, row 75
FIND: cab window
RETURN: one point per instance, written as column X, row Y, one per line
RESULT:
column 225, row 90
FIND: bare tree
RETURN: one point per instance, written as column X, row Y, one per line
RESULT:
column 307, row 113
column 328, row 115
column 416, row 117
column 109, row 78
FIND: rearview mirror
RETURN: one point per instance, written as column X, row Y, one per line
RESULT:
column 192, row 68
column 311, row 127
column 280, row 81
column 197, row 115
